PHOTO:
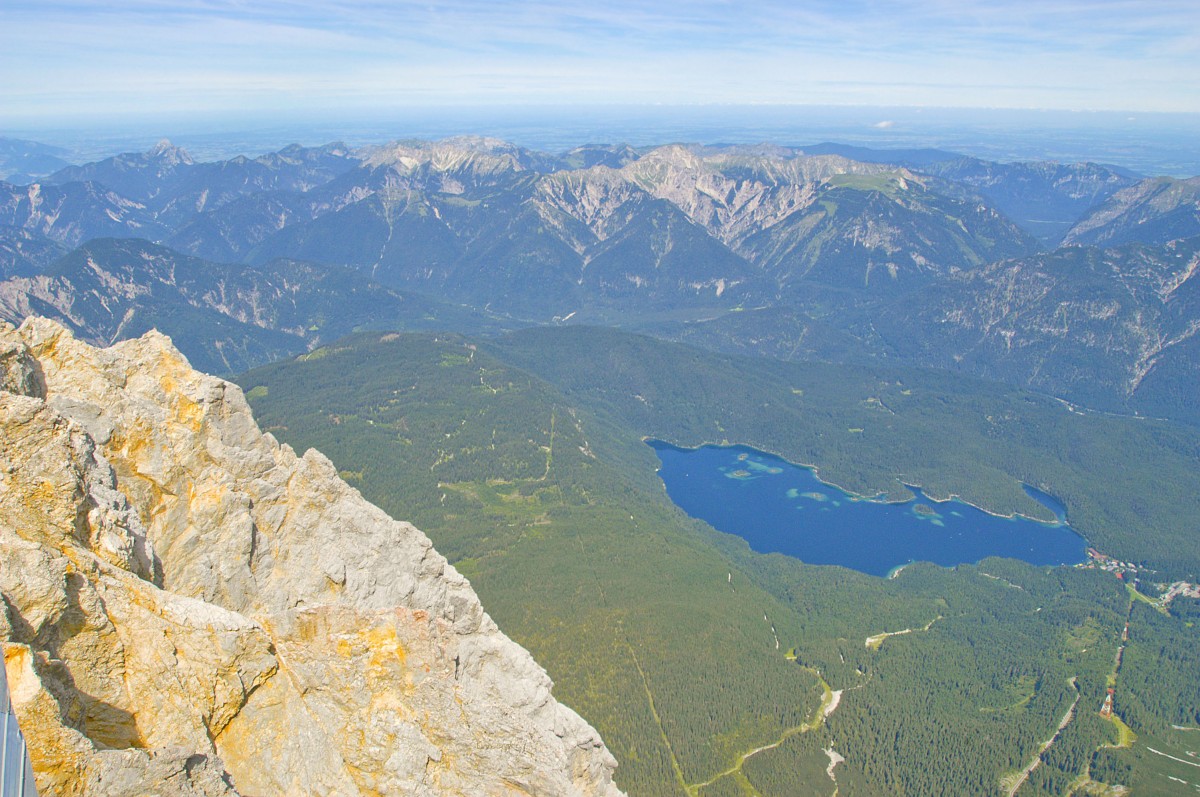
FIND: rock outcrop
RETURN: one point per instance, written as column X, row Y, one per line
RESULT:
column 191, row 608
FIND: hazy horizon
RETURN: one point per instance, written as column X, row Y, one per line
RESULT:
column 1113, row 81
column 1151, row 144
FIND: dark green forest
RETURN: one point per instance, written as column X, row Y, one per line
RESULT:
column 522, row 459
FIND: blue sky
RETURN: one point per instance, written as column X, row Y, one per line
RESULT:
column 61, row 59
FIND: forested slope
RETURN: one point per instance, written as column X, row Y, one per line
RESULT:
column 659, row 629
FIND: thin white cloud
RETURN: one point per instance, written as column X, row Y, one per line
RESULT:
column 1056, row 53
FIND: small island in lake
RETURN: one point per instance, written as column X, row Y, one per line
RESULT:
column 758, row 497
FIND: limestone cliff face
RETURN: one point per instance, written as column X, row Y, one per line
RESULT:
column 191, row 608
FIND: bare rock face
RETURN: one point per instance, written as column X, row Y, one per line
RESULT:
column 191, row 608
column 736, row 194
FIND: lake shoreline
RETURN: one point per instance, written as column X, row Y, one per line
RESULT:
column 853, row 496
column 873, row 535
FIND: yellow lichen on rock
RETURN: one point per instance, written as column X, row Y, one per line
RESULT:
column 58, row 752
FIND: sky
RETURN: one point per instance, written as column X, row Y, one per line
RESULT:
column 66, row 60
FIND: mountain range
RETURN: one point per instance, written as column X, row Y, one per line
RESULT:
column 438, row 318
column 826, row 252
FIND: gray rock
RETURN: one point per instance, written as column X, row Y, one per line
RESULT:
column 189, row 586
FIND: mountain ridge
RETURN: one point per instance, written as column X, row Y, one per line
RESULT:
column 188, row 541
column 688, row 241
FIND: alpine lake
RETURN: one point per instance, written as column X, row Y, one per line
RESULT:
column 778, row 507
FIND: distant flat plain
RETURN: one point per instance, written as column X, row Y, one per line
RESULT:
column 1148, row 143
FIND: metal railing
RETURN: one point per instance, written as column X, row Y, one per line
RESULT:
column 16, row 773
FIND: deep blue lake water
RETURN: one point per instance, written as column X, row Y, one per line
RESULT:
column 779, row 507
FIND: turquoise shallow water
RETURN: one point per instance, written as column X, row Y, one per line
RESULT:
column 778, row 507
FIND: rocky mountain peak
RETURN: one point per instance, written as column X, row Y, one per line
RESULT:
column 193, row 608
column 470, row 154
column 164, row 153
